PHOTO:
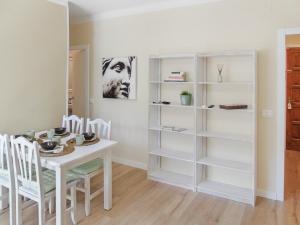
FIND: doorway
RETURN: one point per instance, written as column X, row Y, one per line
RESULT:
column 78, row 82
column 288, row 164
column 292, row 153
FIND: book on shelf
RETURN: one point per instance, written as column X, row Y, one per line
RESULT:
column 176, row 77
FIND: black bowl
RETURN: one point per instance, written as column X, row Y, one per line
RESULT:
column 88, row 136
column 60, row 130
column 49, row 145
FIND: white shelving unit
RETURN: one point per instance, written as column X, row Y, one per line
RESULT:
column 161, row 129
column 184, row 156
column 226, row 83
column 171, row 82
column 172, row 178
column 171, row 105
column 216, row 153
column 249, row 110
column 226, row 191
column 234, row 137
column 226, row 164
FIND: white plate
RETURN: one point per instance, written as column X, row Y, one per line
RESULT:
column 54, row 151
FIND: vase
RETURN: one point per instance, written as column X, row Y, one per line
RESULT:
column 186, row 99
column 220, row 78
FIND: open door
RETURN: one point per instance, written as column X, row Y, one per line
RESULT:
column 292, row 153
column 78, row 98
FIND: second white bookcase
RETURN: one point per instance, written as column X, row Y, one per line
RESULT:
column 216, row 151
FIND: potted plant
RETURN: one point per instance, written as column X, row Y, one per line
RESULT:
column 186, row 98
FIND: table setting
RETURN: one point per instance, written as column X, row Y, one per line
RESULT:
column 51, row 144
column 62, row 150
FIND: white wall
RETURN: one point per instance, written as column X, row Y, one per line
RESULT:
column 33, row 57
column 225, row 25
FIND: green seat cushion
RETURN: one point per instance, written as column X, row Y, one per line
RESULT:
column 89, row 167
column 4, row 176
column 4, row 173
column 49, row 179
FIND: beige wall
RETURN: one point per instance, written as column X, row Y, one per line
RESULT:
column 225, row 25
column 33, row 44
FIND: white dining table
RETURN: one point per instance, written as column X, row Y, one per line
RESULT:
column 80, row 155
column 62, row 164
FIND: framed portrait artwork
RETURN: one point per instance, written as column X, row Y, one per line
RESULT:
column 119, row 77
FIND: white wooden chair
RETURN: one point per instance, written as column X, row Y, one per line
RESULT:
column 34, row 183
column 7, row 176
column 73, row 124
column 89, row 170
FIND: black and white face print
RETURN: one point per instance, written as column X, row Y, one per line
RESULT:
column 119, row 77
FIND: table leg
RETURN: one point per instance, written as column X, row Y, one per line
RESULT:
column 60, row 196
column 107, row 180
column 3, row 202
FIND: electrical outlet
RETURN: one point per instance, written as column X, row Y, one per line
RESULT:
column 267, row 113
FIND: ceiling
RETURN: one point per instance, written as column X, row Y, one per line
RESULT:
column 84, row 9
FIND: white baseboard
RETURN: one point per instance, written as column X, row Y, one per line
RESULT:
column 266, row 194
column 131, row 163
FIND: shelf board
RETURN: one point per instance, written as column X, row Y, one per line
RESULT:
column 172, row 178
column 247, row 53
column 172, row 82
column 226, row 164
column 174, row 56
column 216, row 108
column 183, row 156
column 186, row 132
column 227, row 191
column 227, row 83
column 234, row 137
column 173, row 105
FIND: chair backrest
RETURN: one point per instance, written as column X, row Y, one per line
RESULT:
column 27, row 166
column 73, row 124
column 101, row 128
column 6, row 165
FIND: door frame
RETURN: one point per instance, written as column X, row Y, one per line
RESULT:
column 281, row 108
column 86, row 49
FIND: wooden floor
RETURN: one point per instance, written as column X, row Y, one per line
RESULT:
column 138, row 201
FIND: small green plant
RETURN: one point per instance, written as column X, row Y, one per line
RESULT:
column 185, row 93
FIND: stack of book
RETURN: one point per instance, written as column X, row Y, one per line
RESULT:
column 176, row 77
